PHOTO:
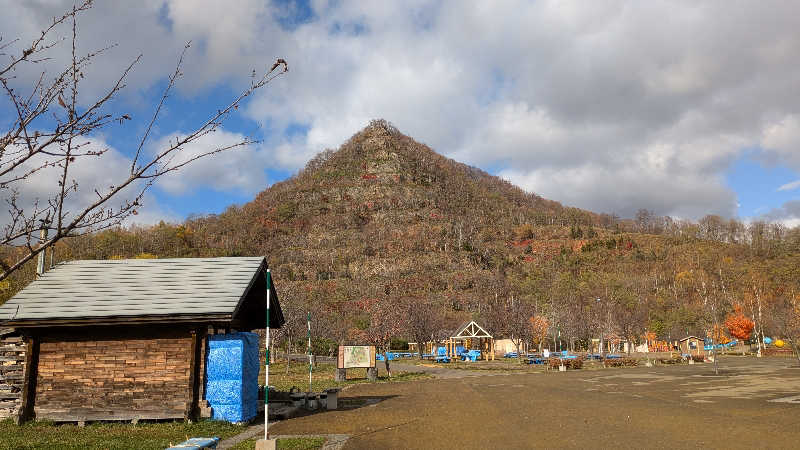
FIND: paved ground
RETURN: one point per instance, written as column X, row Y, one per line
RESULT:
column 440, row 372
column 753, row 403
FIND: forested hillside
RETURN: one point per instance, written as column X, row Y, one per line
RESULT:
column 385, row 237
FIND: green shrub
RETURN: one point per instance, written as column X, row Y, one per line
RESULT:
column 398, row 344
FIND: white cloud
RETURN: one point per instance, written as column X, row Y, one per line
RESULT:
column 90, row 173
column 787, row 214
column 781, row 139
column 610, row 106
column 238, row 169
column 790, row 186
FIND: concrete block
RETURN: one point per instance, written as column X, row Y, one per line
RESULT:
column 333, row 399
column 265, row 444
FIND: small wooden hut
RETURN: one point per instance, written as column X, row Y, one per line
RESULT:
column 691, row 345
column 125, row 339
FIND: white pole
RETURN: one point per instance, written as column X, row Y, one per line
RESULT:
column 266, row 379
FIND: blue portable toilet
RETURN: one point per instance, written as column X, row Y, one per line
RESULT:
column 232, row 367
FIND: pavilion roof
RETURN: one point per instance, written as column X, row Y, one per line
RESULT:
column 471, row 330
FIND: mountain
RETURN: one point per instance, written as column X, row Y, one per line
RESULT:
column 386, row 220
column 385, row 215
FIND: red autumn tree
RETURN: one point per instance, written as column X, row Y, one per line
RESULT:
column 738, row 325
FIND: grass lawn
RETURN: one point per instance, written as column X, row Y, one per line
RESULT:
column 323, row 376
column 46, row 435
column 309, row 443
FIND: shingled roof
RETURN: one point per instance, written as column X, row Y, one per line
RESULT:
column 226, row 291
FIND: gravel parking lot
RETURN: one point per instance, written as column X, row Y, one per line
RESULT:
column 751, row 403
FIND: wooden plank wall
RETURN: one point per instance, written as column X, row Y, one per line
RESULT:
column 114, row 378
column 12, row 367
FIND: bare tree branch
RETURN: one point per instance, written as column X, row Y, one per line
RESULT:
column 51, row 132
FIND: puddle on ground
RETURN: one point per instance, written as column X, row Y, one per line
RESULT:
column 791, row 399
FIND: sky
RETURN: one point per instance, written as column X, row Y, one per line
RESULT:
column 684, row 108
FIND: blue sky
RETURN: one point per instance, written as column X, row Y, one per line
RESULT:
column 756, row 185
column 603, row 106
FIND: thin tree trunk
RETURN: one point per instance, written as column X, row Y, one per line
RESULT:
column 760, row 326
column 271, row 351
column 288, row 353
column 714, row 351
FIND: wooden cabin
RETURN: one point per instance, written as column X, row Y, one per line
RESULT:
column 125, row 339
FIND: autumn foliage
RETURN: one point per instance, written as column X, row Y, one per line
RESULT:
column 539, row 327
column 718, row 335
column 738, row 325
column 385, row 238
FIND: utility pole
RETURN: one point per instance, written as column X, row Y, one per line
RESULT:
column 266, row 379
column 310, row 355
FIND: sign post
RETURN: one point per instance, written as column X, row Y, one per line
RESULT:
column 355, row 356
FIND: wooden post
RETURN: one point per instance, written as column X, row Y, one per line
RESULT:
column 191, row 413
column 26, row 411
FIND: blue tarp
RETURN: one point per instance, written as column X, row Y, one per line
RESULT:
column 471, row 355
column 232, row 366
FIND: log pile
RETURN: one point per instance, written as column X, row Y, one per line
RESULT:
column 113, row 379
column 12, row 368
